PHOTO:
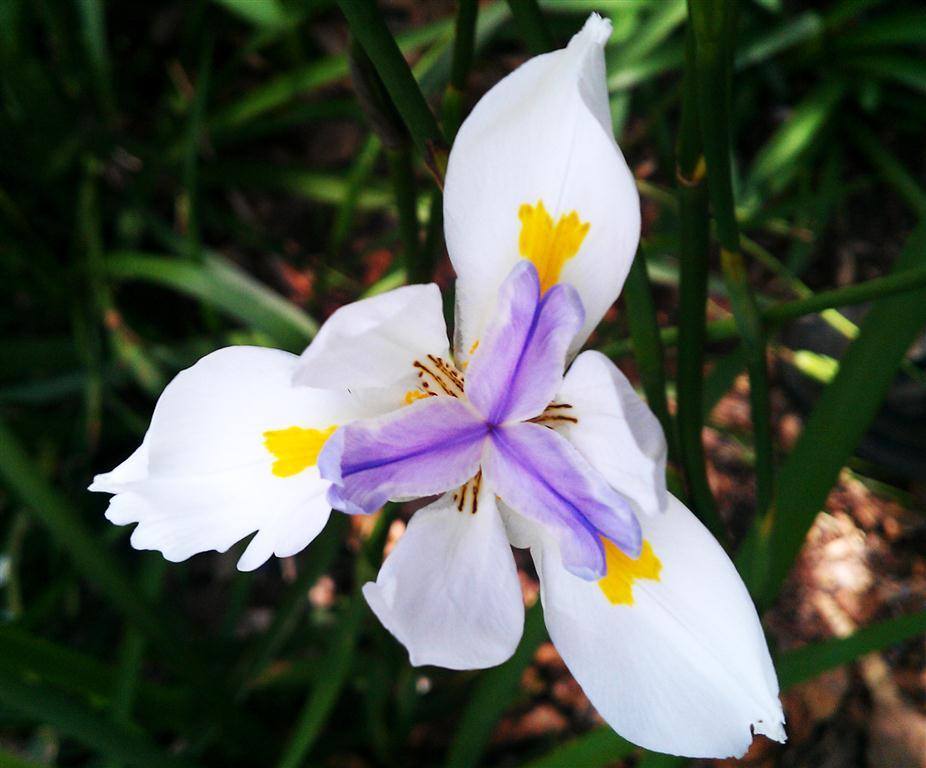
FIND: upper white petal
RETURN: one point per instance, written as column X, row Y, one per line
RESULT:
column 202, row 478
column 372, row 343
column 685, row 669
column 543, row 133
column 616, row 431
column 449, row 591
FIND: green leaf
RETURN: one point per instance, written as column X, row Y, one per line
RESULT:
column 529, row 20
column 597, row 749
column 261, row 13
column 777, row 161
column 8, row 760
column 644, row 331
column 47, row 706
column 93, row 31
column 94, row 562
column 324, row 695
column 371, row 31
column 811, row 660
column 892, row 170
column 906, row 70
column 837, row 423
column 286, row 87
column 222, row 285
column 779, row 38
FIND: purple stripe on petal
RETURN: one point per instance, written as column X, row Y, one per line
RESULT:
column 428, row 447
column 515, row 372
column 539, row 474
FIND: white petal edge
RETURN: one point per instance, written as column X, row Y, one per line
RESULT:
column 449, row 591
column 202, row 479
column 616, row 431
column 542, row 133
column 372, row 343
column 685, row 670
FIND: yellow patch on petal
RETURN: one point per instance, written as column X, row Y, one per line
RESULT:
column 547, row 245
column 623, row 571
column 414, row 394
column 295, row 448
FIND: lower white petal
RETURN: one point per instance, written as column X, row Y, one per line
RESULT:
column 449, row 591
column 204, row 476
column 675, row 660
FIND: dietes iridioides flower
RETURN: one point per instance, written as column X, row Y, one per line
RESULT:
column 542, row 221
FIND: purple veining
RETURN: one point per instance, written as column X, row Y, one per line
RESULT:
column 518, row 366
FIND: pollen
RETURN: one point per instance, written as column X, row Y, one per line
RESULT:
column 295, row 448
column 547, row 245
column 414, row 394
column 623, row 571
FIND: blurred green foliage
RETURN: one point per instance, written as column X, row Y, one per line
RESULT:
column 175, row 177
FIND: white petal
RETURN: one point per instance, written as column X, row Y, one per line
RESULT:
column 543, row 133
column 373, row 343
column 616, row 431
column 450, row 591
column 684, row 669
column 203, row 478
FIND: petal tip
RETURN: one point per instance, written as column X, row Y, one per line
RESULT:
column 597, row 30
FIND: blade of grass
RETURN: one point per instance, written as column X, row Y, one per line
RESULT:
column 595, row 749
column 777, row 161
column 417, row 268
column 224, row 286
column 790, row 33
column 908, row 70
column 811, row 660
column 337, row 662
column 93, row 32
column 324, row 695
column 8, row 760
column 461, row 62
column 713, row 23
column 694, row 251
column 493, row 694
column 891, row 169
column 45, row 705
column 371, row 31
column 357, row 177
column 286, row 87
column 319, row 556
column 92, row 560
column 776, row 314
column 902, row 28
column 25, row 653
column 644, row 332
column 840, row 417
column 266, row 13
column 190, row 175
column 529, row 20
column 132, row 651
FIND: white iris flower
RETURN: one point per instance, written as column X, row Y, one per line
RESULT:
column 542, row 222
